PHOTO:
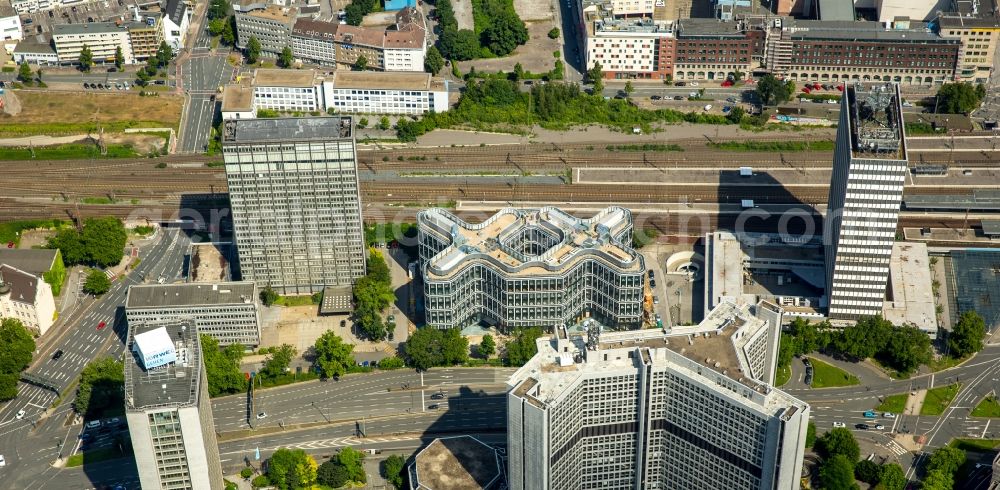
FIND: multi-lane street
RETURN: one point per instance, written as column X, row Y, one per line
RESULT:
column 202, row 72
column 32, row 443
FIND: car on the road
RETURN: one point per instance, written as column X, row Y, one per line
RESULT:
column 434, row 407
column 870, row 414
column 20, row 414
column 3, row 462
column 343, row 323
column 879, row 427
column 650, row 273
column 437, row 396
column 114, row 421
column 678, row 97
column 694, row 84
column 656, row 300
column 652, row 283
column 100, row 326
column 655, row 97
column 57, row 355
column 861, row 426
column 839, row 424
column 93, row 424
column 889, row 415
column 680, row 84
column 261, row 415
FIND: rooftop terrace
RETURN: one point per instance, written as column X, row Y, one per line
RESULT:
column 172, row 385
column 286, row 129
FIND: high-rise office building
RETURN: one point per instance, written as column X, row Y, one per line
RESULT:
column 293, row 189
column 653, row 409
column 168, row 410
column 530, row 267
column 869, row 167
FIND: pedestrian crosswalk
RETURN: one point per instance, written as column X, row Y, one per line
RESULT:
column 344, row 441
column 895, row 448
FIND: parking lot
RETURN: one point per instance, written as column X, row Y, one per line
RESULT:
column 103, row 433
column 94, row 11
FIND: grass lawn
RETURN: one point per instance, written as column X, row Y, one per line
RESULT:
column 94, row 456
column 989, row 407
column 828, row 376
column 10, row 231
column 296, row 300
column 782, row 376
column 939, row 398
column 945, row 362
column 59, row 113
column 976, row 445
column 893, row 403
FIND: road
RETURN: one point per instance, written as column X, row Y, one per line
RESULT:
column 201, row 73
column 30, row 444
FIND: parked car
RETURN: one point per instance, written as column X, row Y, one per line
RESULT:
column 100, row 326
column 20, row 414
column 655, row 97
column 694, row 84
column 93, row 424
column 650, row 273
column 652, row 283
column 879, row 427
column 680, row 84
column 889, row 415
column 861, row 426
column 261, row 415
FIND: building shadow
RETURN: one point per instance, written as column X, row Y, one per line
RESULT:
column 760, row 203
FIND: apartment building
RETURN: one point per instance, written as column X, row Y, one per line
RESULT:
column 227, row 310
column 146, row 36
column 314, row 41
column 26, row 297
column 709, row 49
column 103, row 39
column 831, row 51
column 295, row 199
column 401, row 47
column 272, row 26
column 529, row 268
column 976, row 25
column 176, row 23
column 354, row 92
column 10, row 23
column 869, row 169
column 287, row 90
column 627, row 48
column 355, row 42
column 687, row 408
column 168, row 410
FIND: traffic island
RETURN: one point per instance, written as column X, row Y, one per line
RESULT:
column 829, row 376
column 937, row 399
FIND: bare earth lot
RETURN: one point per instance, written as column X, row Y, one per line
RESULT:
column 535, row 56
column 534, row 10
column 48, row 107
column 463, row 14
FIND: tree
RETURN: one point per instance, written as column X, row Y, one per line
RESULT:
column 967, row 336
column 229, row 32
column 864, row 339
column 811, row 434
column 837, row 473
column 285, row 58
column 518, row 73
column 522, row 347
column 461, row 45
column 70, row 244
column 433, row 62
column 867, row 471
column 937, row 480
column 839, row 442
column 8, row 386
column 423, row 349
column 86, row 58
column 216, row 26
column 217, row 9
column 629, row 88
column 392, row 469
column 97, row 283
column 958, row 98
column 596, row 77
column 487, row 347
column 352, row 460
column 164, row 54
column 554, row 33
column 24, row 73
column 119, row 58
column 291, row 468
column 891, row 477
column 383, row 123
column 736, row 114
column 268, row 296
column 17, row 346
column 253, row 50
column 454, row 347
column 361, row 64
column 278, row 360
column 333, row 356
column 907, row 349
column 332, row 474
column 104, row 240
column 363, row 123
column 773, row 91
column 354, row 13
column 504, row 34
column 143, row 77
column 222, row 367
column 102, row 386
column 947, row 459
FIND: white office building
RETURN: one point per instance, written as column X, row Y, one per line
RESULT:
column 10, row 23
column 869, row 169
column 227, row 310
column 653, row 409
column 103, row 39
column 313, row 41
column 293, row 188
column 287, row 90
column 168, row 410
column 405, row 93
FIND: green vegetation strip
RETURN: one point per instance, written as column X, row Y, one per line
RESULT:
column 10, row 231
column 976, row 445
column 989, row 407
column 645, row 147
column 821, row 145
column 62, row 129
column 299, row 300
column 938, row 399
column 829, row 376
column 783, row 375
column 893, row 403
column 95, row 456
column 66, row 152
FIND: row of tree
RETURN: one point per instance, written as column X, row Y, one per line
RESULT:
column 102, row 387
column 294, row 468
column 101, row 242
column 372, row 295
column 16, row 348
column 840, row 467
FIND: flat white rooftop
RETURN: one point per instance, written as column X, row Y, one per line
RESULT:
column 910, row 299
